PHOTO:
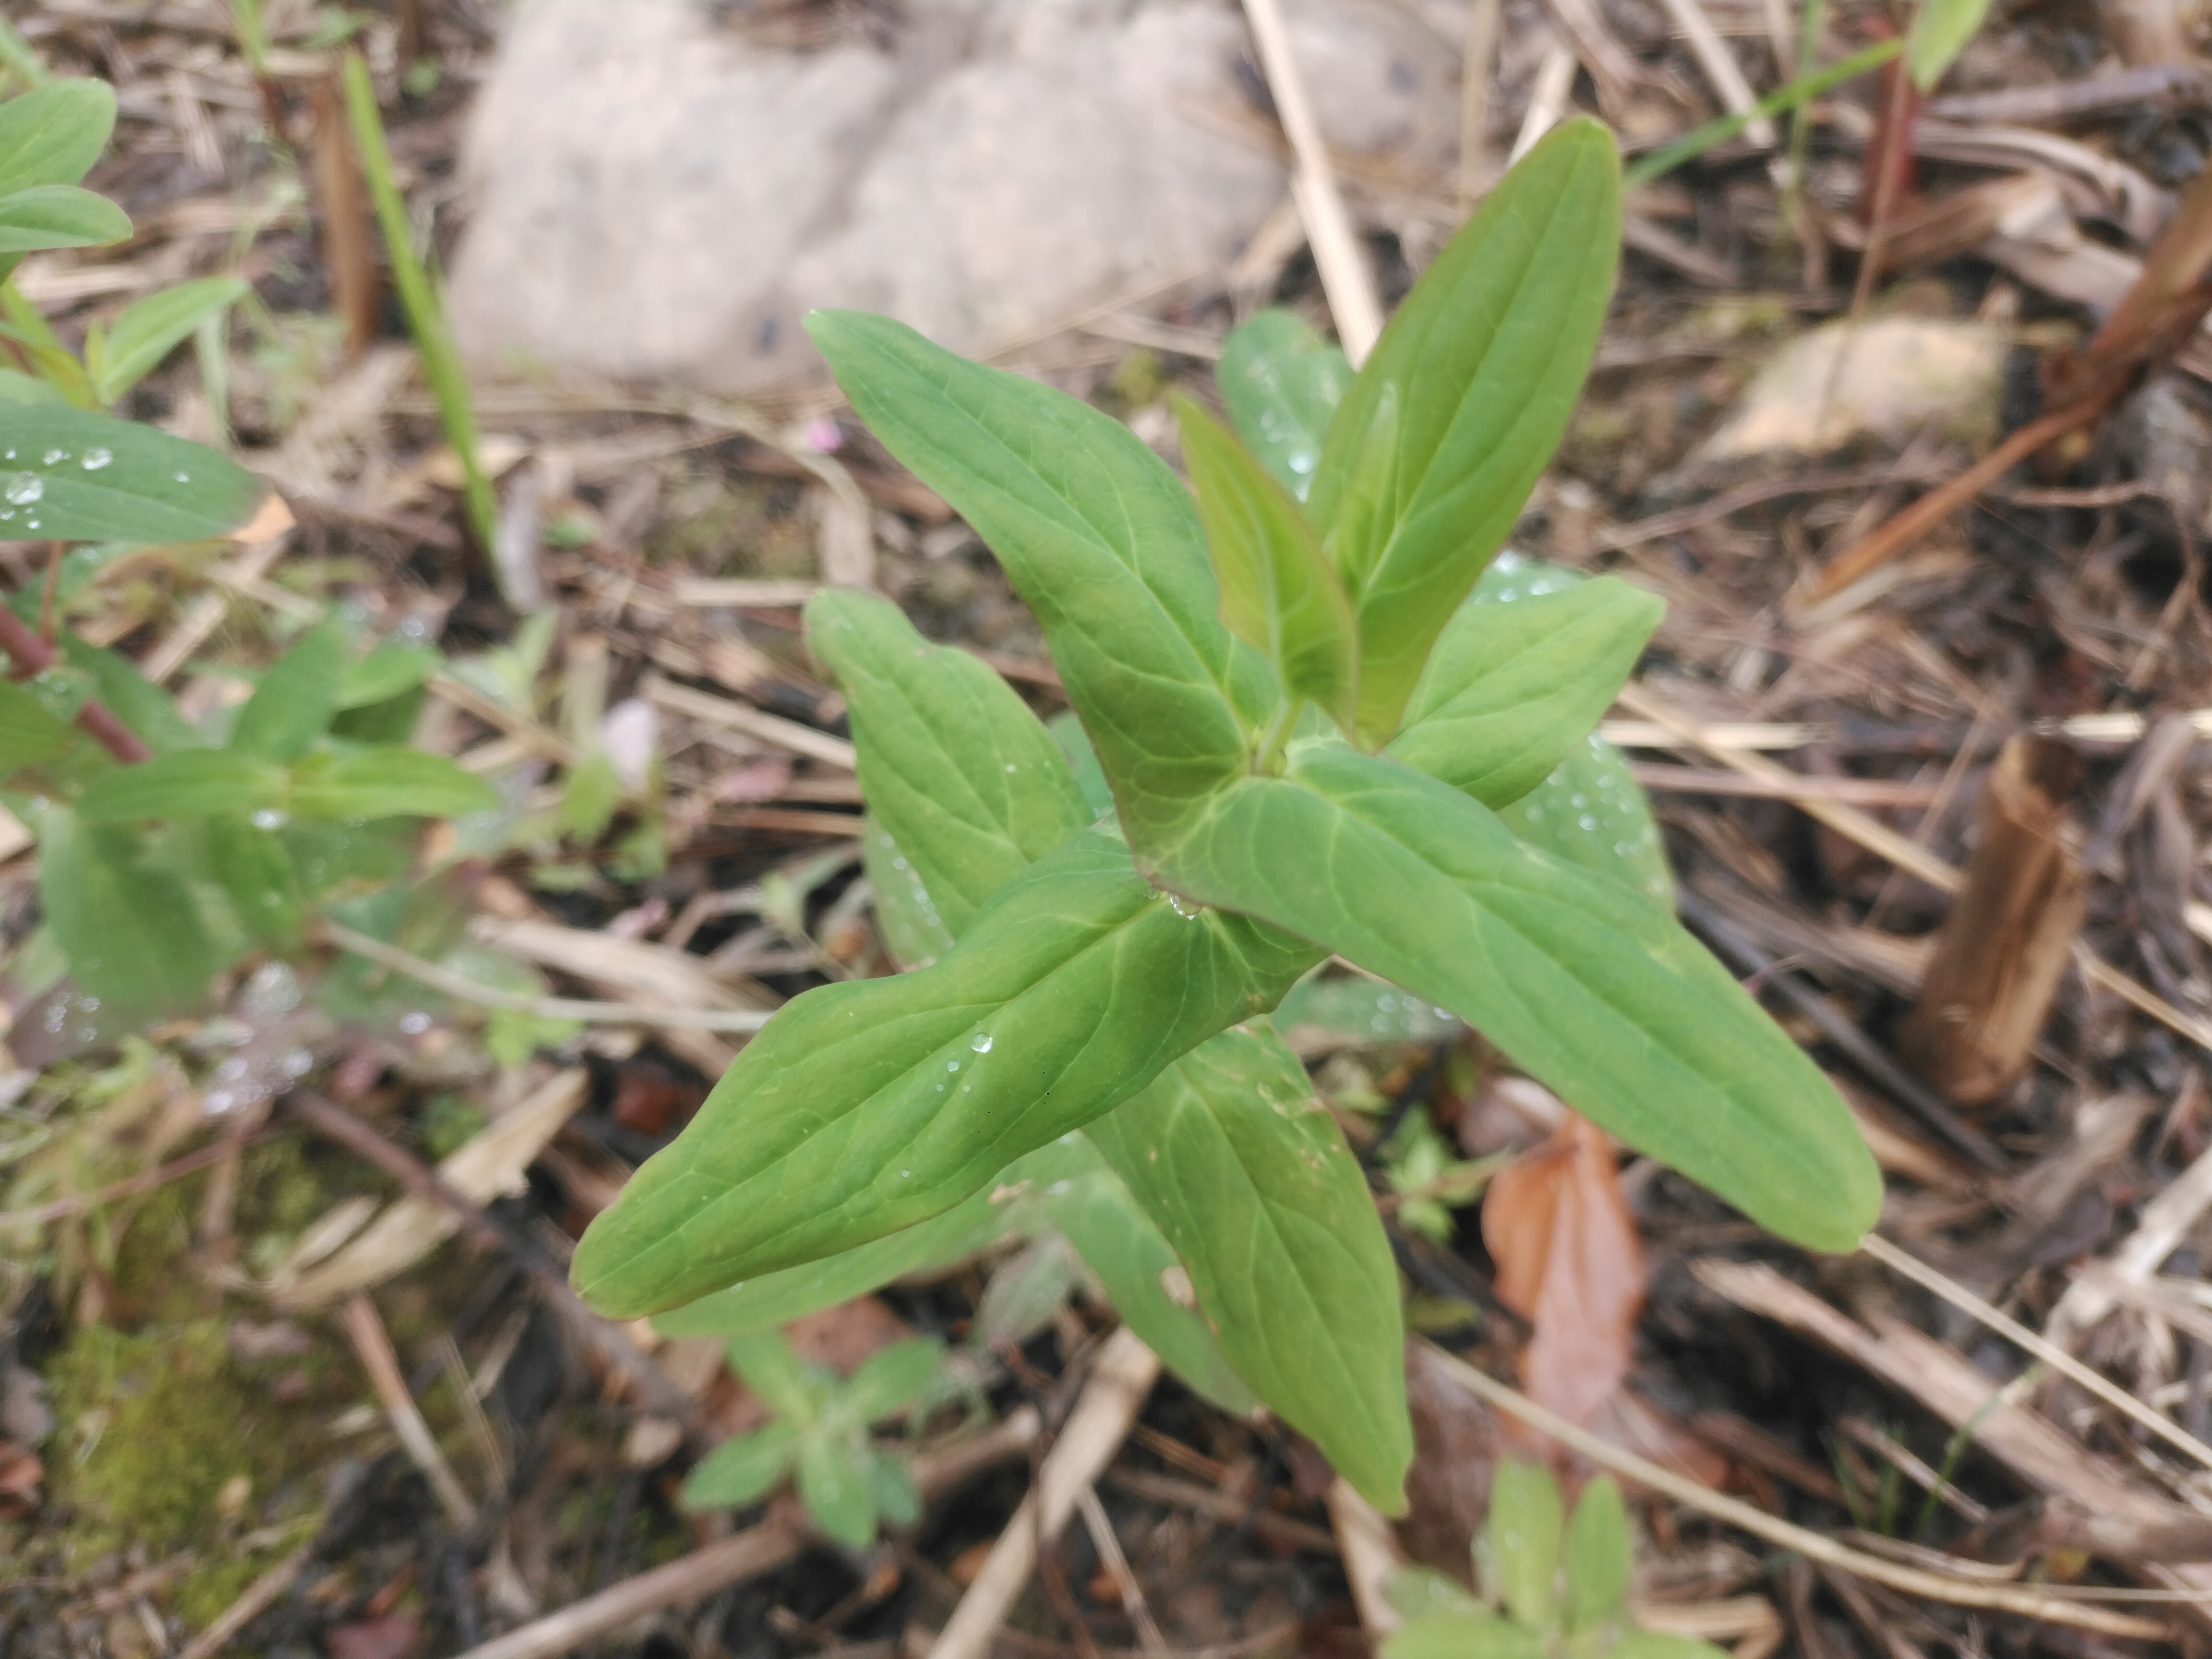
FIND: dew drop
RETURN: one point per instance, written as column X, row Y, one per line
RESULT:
column 414, row 1022
column 55, row 457
column 25, row 488
column 182, row 478
column 952, row 1065
column 270, row 818
column 96, row 458
column 1587, row 822
column 981, row 1042
column 1187, row 912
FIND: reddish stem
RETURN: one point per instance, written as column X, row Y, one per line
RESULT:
column 28, row 654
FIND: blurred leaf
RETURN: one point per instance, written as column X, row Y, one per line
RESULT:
column 255, row 868
column 834, row 1482
column 1279, row 591
column 889, row 1380
column 53, row 134
column 29, row 732
column 1362, row 1011
column 589, row 795
column 1520, row 1541
column 385, row 672
column 58, row 215
column 1027, row 1289
column 1083, row 760
column 128, row 926
column 1281, row 383
column 1569, row 1261
column 1651, row 1645
column 150, row 329
column 1466, row 1635
column 771, row 1369
column 744, row 1469
column 72, row 475
column 383, row 783
column 145, row 707
column 16, row 387
column 296, row 699
column 1599, row 1556
column 892, row 1488
column 1940, row 33
column 1420, row 1592
column 192, row 783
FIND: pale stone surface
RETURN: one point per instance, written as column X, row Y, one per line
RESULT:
column 1890, row 378
column 655, row 195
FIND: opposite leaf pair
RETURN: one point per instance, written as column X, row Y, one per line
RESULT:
column 1084, row 966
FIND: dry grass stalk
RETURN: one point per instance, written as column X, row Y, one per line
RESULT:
column 347, row 251
column 2005, row 944
column 365, row 1330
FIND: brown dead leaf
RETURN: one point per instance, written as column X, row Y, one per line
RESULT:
column 1569, row 1261
column 20, row 1474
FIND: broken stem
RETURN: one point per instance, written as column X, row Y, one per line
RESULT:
column 28, row 654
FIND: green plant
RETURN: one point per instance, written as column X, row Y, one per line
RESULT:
column 820, row 1432
column 1551, row 1586
column 426, row 310
column 1321, row 774
column 167, row 853
column 1941, row 30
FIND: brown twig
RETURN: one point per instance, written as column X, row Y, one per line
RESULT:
column 373, row 1344
column 28, row 654
column 660, row 1394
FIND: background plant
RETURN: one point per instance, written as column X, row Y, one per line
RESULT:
column 1306, row 727
column 169, row 852
column 1550, row 1584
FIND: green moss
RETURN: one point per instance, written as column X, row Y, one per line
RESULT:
column 154, row 1425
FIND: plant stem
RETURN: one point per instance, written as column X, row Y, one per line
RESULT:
column 1268, row 759
column 426, row 316
column 28, row 654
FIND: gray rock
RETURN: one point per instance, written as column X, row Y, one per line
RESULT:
column 658, row 192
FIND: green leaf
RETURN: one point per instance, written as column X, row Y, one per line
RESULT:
column 1361, row 1011
column 1464, row 1636
column 153, row 327
column 1281, row 382
column 296, row 700
column 1520, row 1541
column 253, row 866
column 387, row 783
column 892, row 1488
column 1599, row 1556
column 192, row 783
column 1278, row 592
column 1423, row 1593
column 834, row 1483
column 1135, row 1261
column 1522, row 673
column 1591, row 811
column 58, row 215
column 18, row 388
column 889, row 1380
column 744, row 1469
column 1099, row 537
column 1584, row 983
column 53, row 134
column 145, row 707
column 1651, row 1645
column 29, row 732
column 127, row 923
column 1005, row 1205
column 914, row 932
column 866, row 1106
column 1472, row 385
column 954, row 767
column 771, row 1369
column 1940, row 33
column 1249, row 1179
column 71, row 475
column 389, row 671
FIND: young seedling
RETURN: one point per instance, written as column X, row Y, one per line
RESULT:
column 1550, row 1586
column 848, row 1482
column 1306, row 731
